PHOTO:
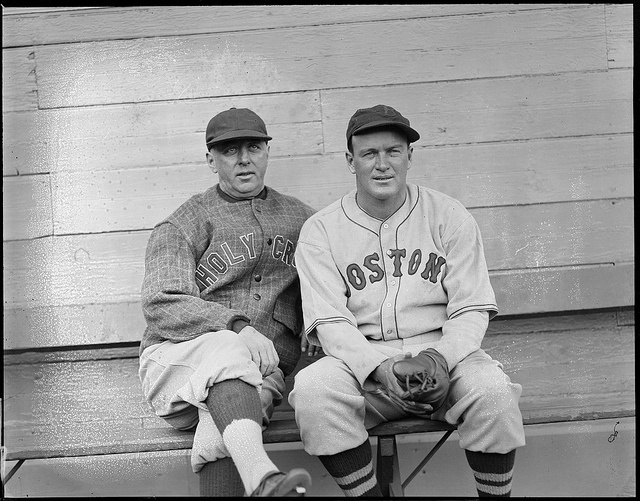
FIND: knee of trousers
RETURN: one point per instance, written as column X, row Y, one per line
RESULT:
column 329, row 407
column 489, row 417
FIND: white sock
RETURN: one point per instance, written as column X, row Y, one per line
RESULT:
column 243, row 439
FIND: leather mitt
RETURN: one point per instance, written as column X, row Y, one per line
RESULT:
column 425, row 377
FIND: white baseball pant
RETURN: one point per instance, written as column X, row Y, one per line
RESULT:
column 176, row 378
column 334, row 411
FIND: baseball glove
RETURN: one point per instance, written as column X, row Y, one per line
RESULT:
column 425, row 377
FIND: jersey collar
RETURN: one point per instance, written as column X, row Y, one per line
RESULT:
column 353, row 211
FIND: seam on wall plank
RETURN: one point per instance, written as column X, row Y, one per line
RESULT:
column 124, row 23
column 316, row 58
column 619, row 24
column 536, row 291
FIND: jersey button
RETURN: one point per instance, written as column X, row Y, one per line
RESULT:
column 257, row 278
column 388, row 305
column 257, row 297
column 389, row 331
column 385, row 225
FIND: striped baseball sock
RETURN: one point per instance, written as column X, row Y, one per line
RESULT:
column 493, row 472
column 353, row 471
column 237, row 412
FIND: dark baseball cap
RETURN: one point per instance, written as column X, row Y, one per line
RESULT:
column 379, row 116
column 235, row 123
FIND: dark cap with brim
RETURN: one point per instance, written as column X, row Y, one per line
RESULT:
column 235, row 123
column 378, row 116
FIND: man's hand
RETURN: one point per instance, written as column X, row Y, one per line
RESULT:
column 310, row 349
column 263, row 353
column 384, row 375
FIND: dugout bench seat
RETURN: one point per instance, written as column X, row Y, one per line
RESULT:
column 87, row 401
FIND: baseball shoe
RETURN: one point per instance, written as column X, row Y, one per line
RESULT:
column 279, row 484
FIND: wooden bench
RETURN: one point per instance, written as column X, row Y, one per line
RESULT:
column 87, row 402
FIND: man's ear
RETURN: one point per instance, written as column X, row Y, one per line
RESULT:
column 349, row 157
column 211, row 161
column 409, row 156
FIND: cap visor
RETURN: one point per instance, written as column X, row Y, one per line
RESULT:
column 412, row 135
column 239, row 134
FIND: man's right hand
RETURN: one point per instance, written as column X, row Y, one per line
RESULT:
column 263, row 353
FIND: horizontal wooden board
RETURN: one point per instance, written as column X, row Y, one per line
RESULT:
column 104, row 410
column 81, row 269
column 584, row 321
column 478, row 175
column 534, row 236
column 547, row 290
column 27, row 210
column 84, row 269
column 529, row 172
column 518, row 292
column 322, row 57
column 500, row 325
column 148, row 134
column 489, row 110
column 445, row 113
column 120, row 23
column 619, row 19
column 19, row 90
column 71, row 325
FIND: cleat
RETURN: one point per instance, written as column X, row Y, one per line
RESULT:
column 278, row 484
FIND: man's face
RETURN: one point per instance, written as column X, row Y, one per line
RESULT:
column 241, row 166
column 380, row 161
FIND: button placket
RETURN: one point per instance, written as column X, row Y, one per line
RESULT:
column 388, row 313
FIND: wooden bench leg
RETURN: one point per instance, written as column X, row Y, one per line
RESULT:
column 426, row 459
column 388, row 468
column 6, row 478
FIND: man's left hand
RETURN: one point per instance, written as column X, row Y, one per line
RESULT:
column 311, row 350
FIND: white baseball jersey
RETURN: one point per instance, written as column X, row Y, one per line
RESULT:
column 365, row 279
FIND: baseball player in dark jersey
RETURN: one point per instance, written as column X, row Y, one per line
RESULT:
column 395, row 289
column 221, row 299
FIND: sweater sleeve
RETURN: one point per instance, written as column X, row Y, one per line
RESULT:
column 171, row 300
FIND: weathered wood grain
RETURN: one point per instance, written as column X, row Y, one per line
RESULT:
column 573, row 288
column 78, row 269
column 501, row 325
column 491, row 110
column 19, row 90
column 130, row 136
column 588, row 168
column 27, row 207
column 546, row 235
column 49, row 26
column 518, row 292
column 101, row 322
column 525, row 113
column 82, row 269
column 447, row 113
column 619, row 20
column 96, row 407
column 322, row 57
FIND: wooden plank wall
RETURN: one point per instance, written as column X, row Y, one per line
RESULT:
column 525, row 113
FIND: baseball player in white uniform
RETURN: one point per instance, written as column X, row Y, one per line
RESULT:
column 395, row 289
